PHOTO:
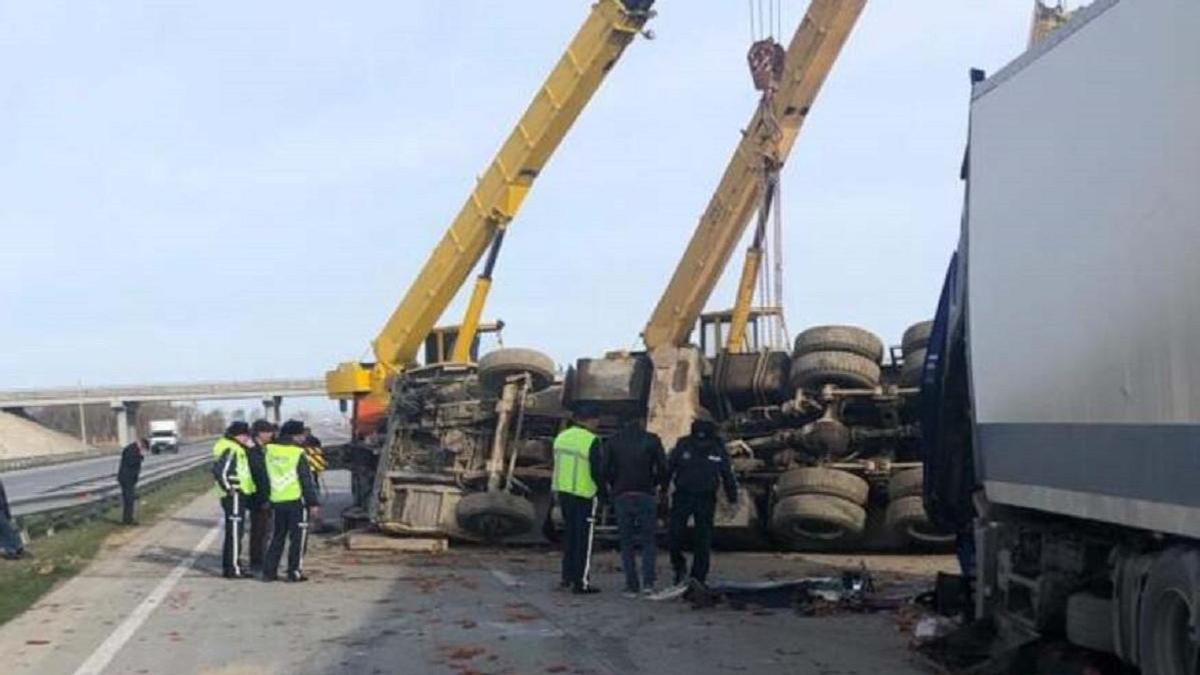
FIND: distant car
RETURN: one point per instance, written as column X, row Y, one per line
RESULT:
column 164, row 436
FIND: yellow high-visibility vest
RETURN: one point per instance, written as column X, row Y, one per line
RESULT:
column 572, row 466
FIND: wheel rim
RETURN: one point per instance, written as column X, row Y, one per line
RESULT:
column 1174, row 649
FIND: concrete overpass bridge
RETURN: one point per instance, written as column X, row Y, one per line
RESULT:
column 125, row 399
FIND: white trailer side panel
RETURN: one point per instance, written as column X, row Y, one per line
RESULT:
column 1083, row 262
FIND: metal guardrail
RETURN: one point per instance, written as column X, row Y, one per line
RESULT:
column 101, row 494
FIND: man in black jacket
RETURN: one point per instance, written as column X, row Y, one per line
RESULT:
column 10, row 539
column 697, row 463
column 259, row 504
column 636, row 467
column 127, row 477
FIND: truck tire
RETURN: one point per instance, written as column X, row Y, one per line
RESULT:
column 849, row 339
column 907, row 483
column 842, row 369
column 495, row 515
column 913, row 369
column 497, row 366
column 1090, row 622
column 916, row 337
column 816, row 519
column 907, row 518
column 821, row 481
column 1168, row 608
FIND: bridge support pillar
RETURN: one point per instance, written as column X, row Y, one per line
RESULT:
column 271, row 408
column 126, row 421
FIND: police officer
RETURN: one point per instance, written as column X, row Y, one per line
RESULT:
column 293, row 499
column 236, row 484
column 578, row 480
column 697, row 463
column 259, row 504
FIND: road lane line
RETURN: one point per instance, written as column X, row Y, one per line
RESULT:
column 108, row 649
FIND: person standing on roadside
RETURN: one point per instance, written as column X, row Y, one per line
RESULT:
column 231, row 469
column 259, row 504
column 127, row 477
column 697, row 463
column 10, row 539
column 635, row 467
column 293, row 497
column 578, row 480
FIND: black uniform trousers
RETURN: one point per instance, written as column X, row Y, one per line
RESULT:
column 579, row 518
column 234, row 506
column 702, row 507
column 260, row 530
column 291, row 523
column 128, row 499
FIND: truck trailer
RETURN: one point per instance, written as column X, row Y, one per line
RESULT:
column 1061, row 390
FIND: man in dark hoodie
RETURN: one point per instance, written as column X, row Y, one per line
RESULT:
column 259, row 504
column 127, row 477
column 697, row 463
column 294, row 499
column 636, row 466
column 10, row 540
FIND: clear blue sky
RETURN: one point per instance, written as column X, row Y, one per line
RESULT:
column 212, row 190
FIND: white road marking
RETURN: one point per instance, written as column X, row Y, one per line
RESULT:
column 505, row 578
column 108, row 649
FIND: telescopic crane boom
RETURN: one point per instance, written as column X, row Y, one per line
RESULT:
column 767, row 142
column 609, row 28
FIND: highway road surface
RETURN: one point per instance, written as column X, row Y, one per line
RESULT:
column 85, row 474
column 155, row 603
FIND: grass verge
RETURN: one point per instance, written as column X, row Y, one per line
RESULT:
column 59, row 557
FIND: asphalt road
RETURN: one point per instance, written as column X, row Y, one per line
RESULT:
column 154, row 602
column 84, row 474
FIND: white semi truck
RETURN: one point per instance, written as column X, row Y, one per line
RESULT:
column 1061, row 394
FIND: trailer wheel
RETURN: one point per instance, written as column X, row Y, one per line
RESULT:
column 497, row 366
column 816, row 520
column 495, row 515
column 906, row 516
column 1167, row 646
column 916, row 337
column 842, row 369
column 913, row 368
column 849, row 339
column 1090, row 622
column 820, row 481
column 907, row 483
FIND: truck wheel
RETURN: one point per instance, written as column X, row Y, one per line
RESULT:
column 842, row 369
column 916, row 337
column 849, row 339
column 1168, row 609
column 497, row 366
column 1090, row 622
column 495, row 515
column 906, row 516
column 816, row 519
column 820, row 481
column 913, row 368
column 907, row 483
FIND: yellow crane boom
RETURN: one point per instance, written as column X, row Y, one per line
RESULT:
column 768, row 139
column 609, row 28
